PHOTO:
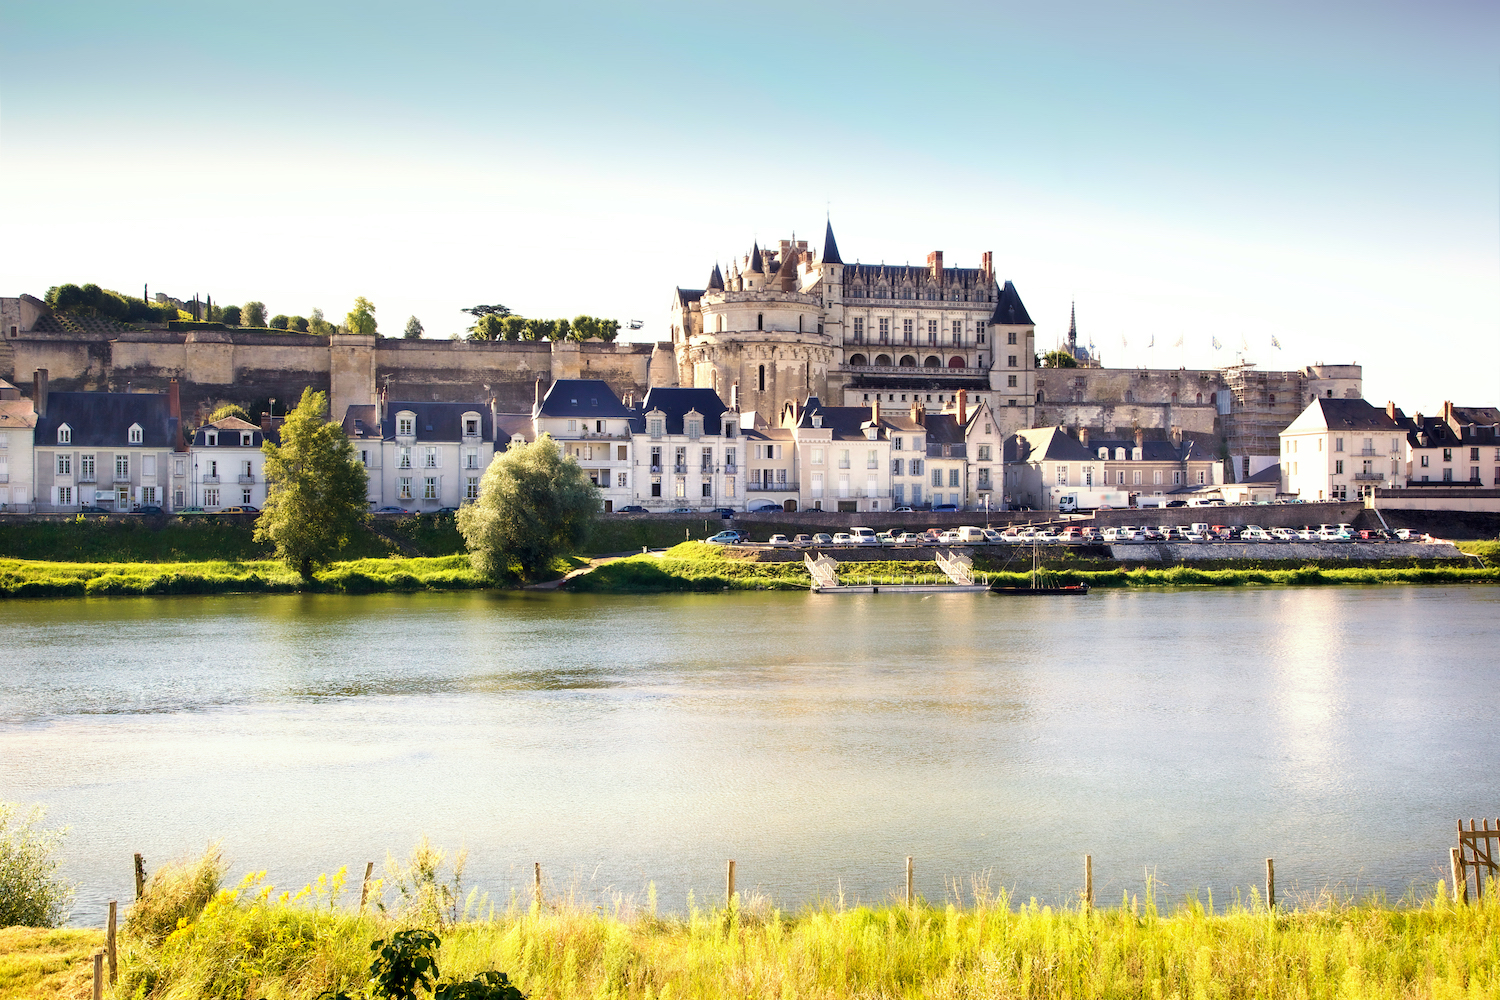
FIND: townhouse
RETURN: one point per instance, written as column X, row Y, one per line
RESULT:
column 1459, row 448
column 17, row 431
column 422, row 456
column 1338, row 449
column 687, row 450
column 1044, row 463
column 226, row 466
column 590, row 425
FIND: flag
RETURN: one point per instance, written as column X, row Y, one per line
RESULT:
column 1179, row 342
column 1123, row 341
column 1217, row 345
column 1153, row 341
column 1244, row 343
column 1275, row 343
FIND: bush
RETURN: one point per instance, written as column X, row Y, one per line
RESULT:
column 31, row 894
column 177, row 892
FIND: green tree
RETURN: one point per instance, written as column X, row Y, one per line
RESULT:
column 316, row 488
column 316, row 324
column 487, row 328
column 230, row 315
column 31, row 893
column 280, row 321
column 538, row 329
column 413, row 328
column 299, row 323
column 533, row 505
column 229, row 410
column 514, row 327
column 562, row 330
column 361, row 318
column 1058, row 359
column 254, row 314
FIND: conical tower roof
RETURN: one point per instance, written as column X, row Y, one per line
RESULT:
column 830, row 247
column 756, row 265
column 716, row 280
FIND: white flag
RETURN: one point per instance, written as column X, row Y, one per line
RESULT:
column 1153, row 341
column 1217, row 345
column 1275, row 343
column 1179, row 342
column 1123, row 341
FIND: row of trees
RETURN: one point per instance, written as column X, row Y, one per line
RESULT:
column 533, row 503
column 491, row 327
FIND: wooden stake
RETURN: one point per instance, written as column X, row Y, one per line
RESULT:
column 908, row 880
column 364, row 887
column 1460, row 877
column 109, row 945
column 1088, row 881
column 99, row 975
column 140, row 876
column 1270, row 884
column 538, row 885
column 729, row 886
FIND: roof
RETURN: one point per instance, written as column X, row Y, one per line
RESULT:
column 830, row 247
column 360, row 421
column 716, row 280
column 591, row 398
column 1008, row 308
column 103, row 419
column 687, row 295
column 232, row 428
column 943, row 428
column 676, row 403
column 1342, row 414
column 755, row 259
column 1055, row 444
column 432, row 421
column 1270, row 474
column 16, row 413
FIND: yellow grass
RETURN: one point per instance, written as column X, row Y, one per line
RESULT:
column 42, row 963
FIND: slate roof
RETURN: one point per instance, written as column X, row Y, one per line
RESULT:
column 944, row 428
column 716, row 280
column 103, row 420
column 1353, row 415
column 434, row 421
column 755, row 260
column 362, row 423
column 230, row 436
column 1008, row 308
column 1270, row 474
column 1054, row 444
column 676, row 403
column 830, row 247
column 508, row 425
column 589, row 398
column 686, row 295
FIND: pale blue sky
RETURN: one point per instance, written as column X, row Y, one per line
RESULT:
column 1329, row 176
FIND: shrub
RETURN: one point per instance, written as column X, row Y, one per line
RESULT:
column 176, row 893
column 31, row 893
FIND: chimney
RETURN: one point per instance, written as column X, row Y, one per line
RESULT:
column 1140, row 438
column 380, row 411
column 918, row 414
column 734, row 396
column 963, row 407
column 1390, row 409
column 39, row 392
column 1083, row 436
column 174, row 400
column 987, row 265
column 935, row 266
column 875, row 410
column 1176, row 437
column 536, row 405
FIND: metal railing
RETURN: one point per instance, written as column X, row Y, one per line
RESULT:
column 916, row 370
column 210, row 480
column 679, row 469
column 755, row 485
column 87, row 478
column 122, row 478
column 1369, row 476
column 247, row 480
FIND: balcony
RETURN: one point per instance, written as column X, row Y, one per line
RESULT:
column 656, row 468
column 731, row 470
column 756, row 486
column 1370, row 477
column 916, row 371
column 210, row 480
column 1366, row 452
column 4, row 477
column 86, row 477
column 247, row 480
column 122, row 477
column 680, row 470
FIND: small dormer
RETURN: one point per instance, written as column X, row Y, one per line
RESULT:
column 471, row 424
column 692, row 425
column 517, row 440
column 211, row 438
column 64, row 434
column 1104, row 453
column 1119, row 454
column 135, row 435
column 247, row 439
column 406, row 424
column 656, row 424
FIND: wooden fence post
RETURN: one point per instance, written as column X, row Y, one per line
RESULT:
column 1088, row 881
column 109, row 945
column 538, row 888
column 364, row 887
column 1270, row 884
column 140, row 876
column 1460, row 877
column 99, row 975
column 729, row 886
column 908, row 880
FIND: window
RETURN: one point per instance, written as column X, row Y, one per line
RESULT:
column 1156, row 477
column 1338, row 467
column 211, row 438
column 937, row 477
column 429, row 488
column 896, row 465
column 958, row 332
column 65, row 434
column 679, row 461
column 429, row 458
column 85, row 468
column 984, row 479
column 729, row 459
column 859, row 331
column 1010, row 383
column 247, row 439
column 762, row 378
column 244, row 494
column 915, row 466
column 656, row 486
column 179, row 466
column 179, row 498
column 364, row 457
column 898, row 494
column 1120, row 477
column 1135, row 477
column 984, row 453
column 979, row 332
column 211, row 497
column 65, row 495
column 952, row 477
column 694, row 429
column 1176, row 477
column 656, row 430
column 406, row 425
column 872, row 459
column 844, row 458
column 122, row 466
column 706, row 460
column 1447, row 454
column 906, row 331
column 1473, row 454
column 134, row 434
column 213, row 469
column 708, row 488
column 728, row 486
column 471, row 487
column 471, row 458
column 1010, row 338
column 1338, row 444
column 681, row 488
column 885, row 330
column 1447, row 475
column 1424, row 461
column 932, row 331
column 1010, row 362
column 403, row 457
column 573, row 426
column 148, row 467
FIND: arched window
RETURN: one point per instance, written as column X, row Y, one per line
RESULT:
column 856, row 359
column 760, row 321
column 883, row 360
column 932, row 361
column 1129, row 396
column 762, row 378
column 907, row 361
column 1174, row 399
column 1200, row 398
column 955, row 362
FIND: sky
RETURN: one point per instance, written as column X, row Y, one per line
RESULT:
column 1327, row 175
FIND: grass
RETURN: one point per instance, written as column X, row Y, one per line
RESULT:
column 43, row 963
column 253, row 942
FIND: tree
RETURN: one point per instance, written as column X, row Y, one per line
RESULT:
column 533, row 505
column 488, row 327
column 538, row 329
column 316, row 324
column 254, row 314
column 230, row 315
column 316, row 488
column 280, row 321
column 1059, row 359
column 229, row 410
column 31, row 894
column 299, row 323
column 413, row 328
column 514, row 327
column 361, row 318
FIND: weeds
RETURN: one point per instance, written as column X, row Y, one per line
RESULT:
column 31, row 892
column 175, row 894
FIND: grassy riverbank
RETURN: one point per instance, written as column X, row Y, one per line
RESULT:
column 255, row 943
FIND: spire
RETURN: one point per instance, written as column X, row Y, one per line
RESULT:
column 830, row 247
column 756, row 267
column 716, row 280
column 1073, row 331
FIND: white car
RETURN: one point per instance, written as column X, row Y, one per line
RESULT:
column 1283, row 534
column 1254, row 533
column 949, row 537
column 779, row 541
column 842, row 538
column 1405, row 535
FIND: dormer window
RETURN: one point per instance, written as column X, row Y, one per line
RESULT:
column 694, row 427
column 65, row 434
column 656, row 427
column 471, row 426
column 134, row 435
column 211, row 439
column 247, row 438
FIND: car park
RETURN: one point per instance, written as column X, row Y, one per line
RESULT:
column 803, row 540
column 843, row 538
column 822, row 538
column 1283, row 534
column 1071, row 535
column 1254, row 533
column 929, row 537
column 969, row 534
column 993, row 536
column 907, row 538
column 1091, row 534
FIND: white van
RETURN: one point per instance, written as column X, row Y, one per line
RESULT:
column 970, row 535
column 863, row 536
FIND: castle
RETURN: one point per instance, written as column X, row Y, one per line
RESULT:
column 781, row 324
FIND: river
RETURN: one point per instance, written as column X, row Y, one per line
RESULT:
column 816, row 740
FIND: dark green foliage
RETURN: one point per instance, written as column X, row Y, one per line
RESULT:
column 413, row 328
column 230, row 315
column 280, row 321
column 254, row 314
column 404, row 964
column 91, row 300
column 229, row 410
column 297, row 324
column 489, row 985
column 1058, row 359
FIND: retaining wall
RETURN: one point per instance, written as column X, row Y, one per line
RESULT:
column 1180, row 552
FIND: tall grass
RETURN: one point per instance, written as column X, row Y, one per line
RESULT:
column 175, row 894
column 249, row 942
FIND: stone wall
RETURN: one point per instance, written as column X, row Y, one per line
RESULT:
column 1293, row 515
column 1180, row 552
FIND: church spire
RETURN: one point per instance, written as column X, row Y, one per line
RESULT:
column 716, row 280
column 1073, row 331
column 830, row 247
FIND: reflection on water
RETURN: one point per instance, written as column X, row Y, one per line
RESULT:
column 816, row 740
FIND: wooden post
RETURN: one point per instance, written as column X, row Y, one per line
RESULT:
column 140, row 876
column 99, row 975
column 1478, row 872
column 1088, row 881
column 729, row 886
column 538, row 885
column 1460, row 877
column 109, row 945
column 908, row 880
column 1270, row 884
column 364, row 887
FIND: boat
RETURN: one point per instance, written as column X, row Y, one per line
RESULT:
column 1043, row 584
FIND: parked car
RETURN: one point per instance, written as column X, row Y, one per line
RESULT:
column 1407, row 535
column 928, row 537
column 1177, row 503
column 1254, row 533
column 994, row 537
column 446, row 510
column 949, row 537
column 680, row 510
column 723, row 511
column 822, row 538
column 1149, row 534
column 945, row 508
column 726, row 538
column 90, row 509
column 802, row 541
column 842, row 538
column 239, row 509
column 387, row 509
column 633, row 508
column 191, row 510
column 907, row 538
column 904, row 510
column 1091, row 534
column 1071, row 535
column 886, row 537
column 148, row 509
column 863, row 536
column 1283, row 534
column 779, row 541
